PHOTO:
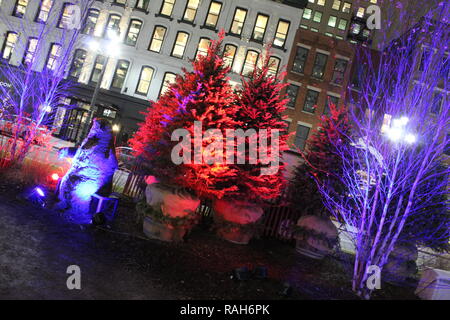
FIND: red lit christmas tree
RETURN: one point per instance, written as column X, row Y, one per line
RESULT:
column 261, row 106
column 203, row 96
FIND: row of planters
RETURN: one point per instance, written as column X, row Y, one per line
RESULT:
column 182, row 145
column 169, row 214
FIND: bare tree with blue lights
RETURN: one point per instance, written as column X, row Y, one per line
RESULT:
column 393, row 186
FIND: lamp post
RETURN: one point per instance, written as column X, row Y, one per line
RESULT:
column 398, row 133
column 110, row 50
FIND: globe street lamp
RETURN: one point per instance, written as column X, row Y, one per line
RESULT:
column 398, row 133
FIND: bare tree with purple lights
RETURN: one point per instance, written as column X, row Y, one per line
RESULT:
column 394, row 183
column 38, row 79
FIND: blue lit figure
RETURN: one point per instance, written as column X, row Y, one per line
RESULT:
column 92, row 171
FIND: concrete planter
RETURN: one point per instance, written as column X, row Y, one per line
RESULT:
column 169, row 212
column 235, row 220
column 315, row 241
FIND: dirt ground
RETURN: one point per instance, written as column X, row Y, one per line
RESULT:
column 37, row 245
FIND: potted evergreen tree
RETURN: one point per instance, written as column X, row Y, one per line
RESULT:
column 199, row 100
column 259, row 176
column 315, row 233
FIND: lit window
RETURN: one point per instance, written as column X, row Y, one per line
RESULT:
column 20, row 8
column 260, row 27
column 360, row 12
column 120, row 74
column 191, row 10
column 44, row 11
column 157, row 39
column 77, row 63
column 9, row 45
column 274, row 65
column 167, row 8
column 91, row 21
column 122, row 2
column 347, row 7
column 99, row 64
column 317, row 16
column 142, row 4
column 301, row 136
column 112, row 27
column 311, row 101
column 373, row 1
column 386, row 123
column 30, row 52
column 355, row 28
column 238, row 21
column 250, row 62
column 203, row 46
column 145, row 79
column 53, row 56
column 300, row 60
column 281, row 33
column 180, row 44
column 312, row 1
column 229, row 53
column 314, row 29
column 66, row 16
column 319, row 65
column 169, row 78
column 304, row 26
column 336, row 5
column 292, row 93
column 342, row 24
column 339, row 71
column 133, row 32
column 332, row 21
column 213, row 14
column 321, row 2
column 328, row 34
column 307, row 13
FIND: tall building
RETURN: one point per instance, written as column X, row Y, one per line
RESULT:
column 157, row 39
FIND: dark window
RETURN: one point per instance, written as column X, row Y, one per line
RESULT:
column 311, row 101
column 339, row 71
column 238, row 21
column 319, row 65
column 91, row 21
column 133, row 32
column 145, row 78
column 44, row 10
column 229, row 53
column 157, row 39
column 77, row 63
column 330, row 99
column 292, row 93
column 436, row 105
column 301, row 136
column 213, row 14
column 9, row 45
column 120, row 74
column 20, row 8
column 300, row 60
